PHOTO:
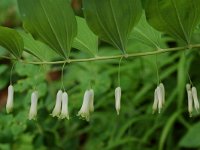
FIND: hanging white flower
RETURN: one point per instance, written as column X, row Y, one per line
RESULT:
column 159, row 98
column 9, row 104
column 85, row 109
column 163, row 93
column 64, row 111
column 33, row 108
column 155, row 103
column 57, row 109
column 190, row 99
column 195, row 98
column 118, row 99
column 91, row 100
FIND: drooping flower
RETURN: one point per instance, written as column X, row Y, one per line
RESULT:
column 155, row 103
column 192, row 97
column 85, row 108
column 57, row 109
column 64, row 111
column 159, row 98
column 33, row 108
column 118, row 99
column 9, row 104
column 195, row 98
column 163, row 92
column 91, row 100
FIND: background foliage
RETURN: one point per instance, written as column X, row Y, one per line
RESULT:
column 135, row 128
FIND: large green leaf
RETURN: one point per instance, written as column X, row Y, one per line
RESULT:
column 86, row 40
column 50, row 21
column 175, row 17
column 192, row 137
column 37, row 48
column 146, row 34
column 12, row 41
column 112, row 20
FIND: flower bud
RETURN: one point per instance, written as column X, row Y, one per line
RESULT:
column 91, row 100
column 33, row 108
column 85, row 109
column 9, row 104
column 64, row 111
column 195, row 98
column 57, row 108
column 118, row 99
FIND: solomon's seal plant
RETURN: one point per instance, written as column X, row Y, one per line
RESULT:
column 51, row 37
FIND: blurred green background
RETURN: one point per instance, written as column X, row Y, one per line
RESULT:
column 134, row 129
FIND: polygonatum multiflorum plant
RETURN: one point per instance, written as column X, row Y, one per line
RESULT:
column 51, row 34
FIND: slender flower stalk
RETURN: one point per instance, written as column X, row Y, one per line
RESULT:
column 91, row 100
column 9, row 104
column 118, row 99
column 64, row 111
column 57, row 109
column 33, row 108
column 195, row 98
column 85, row 109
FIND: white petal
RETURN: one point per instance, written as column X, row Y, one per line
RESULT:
column 195, row 98
column 9, row 104
column 155, row 103
column 190, row 102
column 91, row 100
column 33, row 108
column 64, row 111
column 160, row 100
column 163, row 93
column 118, row 99
column 85, row 108
column 57, row 108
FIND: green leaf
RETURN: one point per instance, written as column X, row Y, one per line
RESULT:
column 146, row 34
column 37, row 48
column 12, row 41
column 177, row 18
column 192, row 137
column 112, row 20
column 86, row 40
column 52, row 22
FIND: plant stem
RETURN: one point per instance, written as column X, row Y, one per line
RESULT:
column 98, row 58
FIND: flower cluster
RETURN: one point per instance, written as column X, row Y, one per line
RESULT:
column 192, row 97
column 159, row 98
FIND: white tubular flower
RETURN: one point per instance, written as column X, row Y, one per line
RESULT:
column 163, row 93
column 118, row 99
column 155, row 103
column 33, row 108
column 190, row 102
column 85, row 109
column 91, row 100
column 160, row 98
column 64, row 111
column 9, row 104
column 57, row 109
column 195, row 98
